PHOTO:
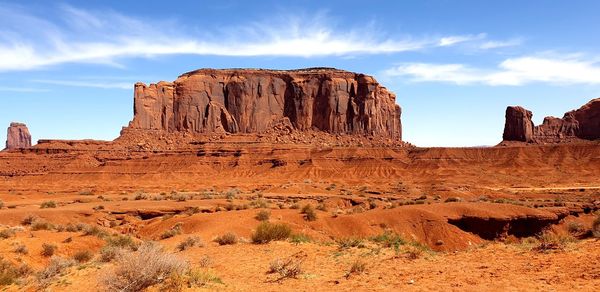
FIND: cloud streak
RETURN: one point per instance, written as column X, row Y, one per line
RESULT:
column 106, row 37
column 510, row 72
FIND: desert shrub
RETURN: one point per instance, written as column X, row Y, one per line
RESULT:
column 295, row 206
column 83, row 256
column 309, row 212
column 345, row 243
column 286, row 268
column 138, row 270
column 59, row 228
column 109, row 253
column 68, row 239
column 140, row 196
column 389, row 239
column 48, row 204
column 321, row 207
column 40, row 224
column 22, row 249
column 300, row 238
column 205, row 261
column 7, row 233
column 94, row 230
column 175, row 230
column 56, row 267
column 453, row 200
column 10, row 273
column 267, row 232
column 263, row 215
column 372, row 204
column 121, row 241
column 71, row 228
column 202, row 277
column 414, row 252
column 226, row 239
column 28, row 220
column 189, row 242
column 596, row 227
column 575, row 227
column 48, row 249
column 358, row 267
column 259, row 203
column 550, row 241
column 86, row 193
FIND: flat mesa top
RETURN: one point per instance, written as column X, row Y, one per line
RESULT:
column 303, row 71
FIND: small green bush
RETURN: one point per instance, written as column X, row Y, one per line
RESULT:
column 263, row 215
column 309, row 213
column 267, row 232
column 226, row 239
column 48, row 204
column 83, row 256
column 48, row 249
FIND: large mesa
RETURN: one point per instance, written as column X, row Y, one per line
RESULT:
column 209, row 101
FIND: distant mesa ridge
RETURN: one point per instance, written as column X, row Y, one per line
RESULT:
column 255, row 100
column 580, row 124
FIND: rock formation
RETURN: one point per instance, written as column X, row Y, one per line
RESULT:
column 253, row 101
column 18, row 136
column 583, row 123
column 518, row 125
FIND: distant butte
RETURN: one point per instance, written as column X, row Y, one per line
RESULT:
column 580, row 124
column 17, row 136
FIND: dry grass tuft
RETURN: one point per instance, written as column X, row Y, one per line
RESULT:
column 263, row 215
column 309, row 213
column 48, row 249
column 137, row 270
column 287, row 268
column 190, row 242
column 358, row 267
column 83, row 256
column 267, row 232
column 226, row 239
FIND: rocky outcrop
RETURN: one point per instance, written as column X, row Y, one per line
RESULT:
column 253, row 101
column 583, row 123
column 17, row 136
column 518, row 125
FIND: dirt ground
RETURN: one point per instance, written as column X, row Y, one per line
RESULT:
column 515, row 218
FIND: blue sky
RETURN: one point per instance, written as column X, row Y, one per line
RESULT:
column 67, row 68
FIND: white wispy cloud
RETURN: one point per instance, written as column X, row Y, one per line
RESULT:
column 22, row 89
column 107, row 37
column 500, row 44
column 90, row 83
column 457, row 39
column 510, row 72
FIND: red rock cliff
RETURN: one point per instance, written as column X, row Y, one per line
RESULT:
column 583, row 123
column 253, row 101
column 17, row 136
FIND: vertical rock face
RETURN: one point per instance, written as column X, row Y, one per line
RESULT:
column 18, row 136
column 252, row 101
column 583, row 123
column 518, row 125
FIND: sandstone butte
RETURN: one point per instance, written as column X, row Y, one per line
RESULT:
column 210, row 101
column 17, row 136
column 580, row 124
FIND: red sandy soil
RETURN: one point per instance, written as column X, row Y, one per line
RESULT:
column 506, row 196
